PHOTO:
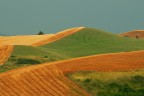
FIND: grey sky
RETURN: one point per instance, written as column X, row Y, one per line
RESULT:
column 31, row 16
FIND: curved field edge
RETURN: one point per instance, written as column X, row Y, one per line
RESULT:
column 36, row 40
column 90, row 41
column 40, row 80
column 58, row 36
column 105, row 62
column 84, row 42
column 5, row 52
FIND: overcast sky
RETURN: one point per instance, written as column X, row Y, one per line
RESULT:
column 18, row 17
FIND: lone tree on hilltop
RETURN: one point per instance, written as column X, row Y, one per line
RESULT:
column 137, row 37
column 40, row 33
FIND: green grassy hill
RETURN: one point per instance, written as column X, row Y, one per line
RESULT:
column 90, row 41
column 86, row 42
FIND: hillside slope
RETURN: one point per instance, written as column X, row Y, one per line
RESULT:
column 84, row 42
column 48, row 79
column 36, row 40
column 40, row 80
column 58, row 36
column 90, row 41
column 104, row 62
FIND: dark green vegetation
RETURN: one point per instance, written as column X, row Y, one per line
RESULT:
column 86, row 42
column 111, row 83
column 22, row 61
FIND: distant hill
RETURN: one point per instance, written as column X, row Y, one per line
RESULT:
column 1, row 34
column 134, row 34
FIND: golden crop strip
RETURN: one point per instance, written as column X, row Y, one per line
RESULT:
column 5, row 51
column 36, row 40
column 23, row 40
column 59, row 36
column 122, row 61
column 39, row 80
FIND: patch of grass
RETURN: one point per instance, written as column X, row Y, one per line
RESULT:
column 22, row 61
column 129, row 83
column 28, row 51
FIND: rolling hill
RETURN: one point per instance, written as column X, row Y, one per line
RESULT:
column 84, row 42
column 134, row 34
column 58, row 36
column 90, row 41
column 36, row 40
column 49, row 79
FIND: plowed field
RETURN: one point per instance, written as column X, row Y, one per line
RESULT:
column 40, row 80
column 106, row 62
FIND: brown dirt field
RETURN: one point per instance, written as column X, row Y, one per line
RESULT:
column 5, row 51
column 39, row 80
column 106, row 62
column 59, row 35
column 23, row 40
column 133, row 34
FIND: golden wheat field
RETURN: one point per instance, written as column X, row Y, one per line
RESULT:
column 40, row 80
column 5, row 52
column 36, row 40
column 23, row 40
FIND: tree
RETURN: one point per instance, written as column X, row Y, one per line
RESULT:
column 40, row 33
column 137, row 36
